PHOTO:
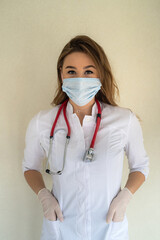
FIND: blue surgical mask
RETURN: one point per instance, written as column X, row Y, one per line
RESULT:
column 81, row 90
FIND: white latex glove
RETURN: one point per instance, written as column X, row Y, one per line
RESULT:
column 50, row 205
column 118, row 206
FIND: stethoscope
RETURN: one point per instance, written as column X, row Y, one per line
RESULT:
column 89, row 155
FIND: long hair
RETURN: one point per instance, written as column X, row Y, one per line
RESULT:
column 82, row 43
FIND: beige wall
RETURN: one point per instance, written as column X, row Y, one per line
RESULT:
column 32, row 34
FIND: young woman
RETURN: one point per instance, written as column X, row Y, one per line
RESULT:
column 85, row 150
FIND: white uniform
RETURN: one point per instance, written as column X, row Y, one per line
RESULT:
column 85, row 190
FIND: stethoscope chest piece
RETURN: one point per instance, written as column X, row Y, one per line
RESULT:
column 89, row 156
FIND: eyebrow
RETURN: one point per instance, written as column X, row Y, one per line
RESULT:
column 83, row 68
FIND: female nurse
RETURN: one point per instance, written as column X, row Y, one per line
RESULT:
column 86, row 200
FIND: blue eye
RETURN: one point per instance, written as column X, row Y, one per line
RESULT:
column 88, row 72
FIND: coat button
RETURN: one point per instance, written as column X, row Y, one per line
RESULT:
column 87, row 119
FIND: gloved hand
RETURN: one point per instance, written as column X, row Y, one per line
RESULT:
column 50, row 205
column 118, row 206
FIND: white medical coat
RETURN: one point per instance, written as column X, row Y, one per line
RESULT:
column 85, row 190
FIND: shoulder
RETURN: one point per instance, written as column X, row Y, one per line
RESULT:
column 43, row 118
column 117, row 116
column 48, row 114
column 118, row 111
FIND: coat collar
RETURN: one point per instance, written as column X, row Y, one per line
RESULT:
column 69, row 109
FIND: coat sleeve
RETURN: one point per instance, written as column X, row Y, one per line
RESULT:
column 34, row 154
column 138, row 159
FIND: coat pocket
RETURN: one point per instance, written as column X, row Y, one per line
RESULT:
column 119, row 230
column 50, row 230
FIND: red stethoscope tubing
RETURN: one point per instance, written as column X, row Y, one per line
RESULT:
column 64, row 105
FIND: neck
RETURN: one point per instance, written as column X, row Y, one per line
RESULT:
column 83, row 110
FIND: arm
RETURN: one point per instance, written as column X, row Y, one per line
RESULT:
column 135, row 180
column 118, row 206
column 34, row 180
column 34, row 155
column 49, row 203
column 138, row 164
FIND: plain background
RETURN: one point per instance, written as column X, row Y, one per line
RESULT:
column 32, row 34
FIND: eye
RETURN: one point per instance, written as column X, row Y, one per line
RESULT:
column 88, row 72
column 71, row 72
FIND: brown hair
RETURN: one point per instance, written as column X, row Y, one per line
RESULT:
column 85, row 44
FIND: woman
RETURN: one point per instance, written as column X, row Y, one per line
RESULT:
column 86, row 201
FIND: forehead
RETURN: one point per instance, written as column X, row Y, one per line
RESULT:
column 78, row 59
